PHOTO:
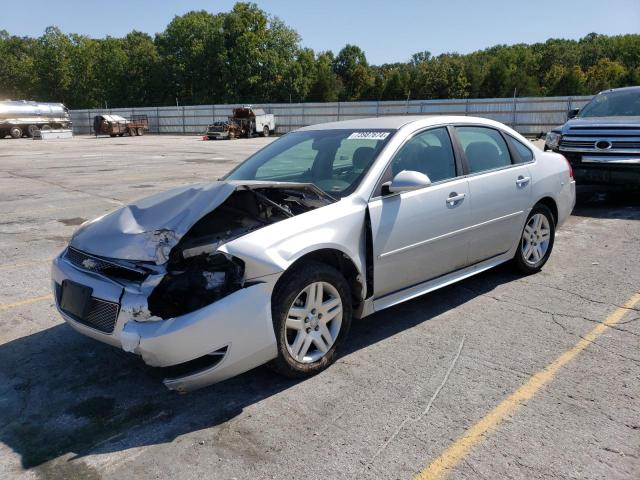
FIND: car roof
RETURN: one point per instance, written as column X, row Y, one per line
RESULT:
column 398, row 121
column 632, row 88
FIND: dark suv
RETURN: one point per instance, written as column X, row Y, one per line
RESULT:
column 602, row 140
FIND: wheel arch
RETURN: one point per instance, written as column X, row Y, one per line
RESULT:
column 551, row 204
column 339, row 260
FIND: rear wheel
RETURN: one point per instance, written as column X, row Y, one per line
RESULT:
column 46, row 126
column 140, row 131
column 311, row 311
column 31, row 130
column 132, row 132
column 15, row 132
column 536, row 241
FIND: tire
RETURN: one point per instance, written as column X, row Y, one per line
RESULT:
column 265, row 131
column 46, row 126
column 113, row 135
column 15, row 132
column 132, row 132
column 306, row 330
column 31, row 130
column 140, row 131
column 536, row 240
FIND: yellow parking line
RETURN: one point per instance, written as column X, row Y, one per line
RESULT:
column 8, row 306
column 475, row 434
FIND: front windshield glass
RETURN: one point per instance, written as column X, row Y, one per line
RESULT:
column 624, row 103
column 334, row 160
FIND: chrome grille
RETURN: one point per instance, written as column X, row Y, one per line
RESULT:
column 99, row 265
column 102, row 315
column 577, row 143
column 623, row 145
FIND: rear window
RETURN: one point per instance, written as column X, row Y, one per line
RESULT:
column 523, row 153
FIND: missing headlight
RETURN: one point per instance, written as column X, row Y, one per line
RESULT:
column 195, row 282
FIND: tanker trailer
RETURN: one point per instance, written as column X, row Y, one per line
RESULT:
column 22, row 117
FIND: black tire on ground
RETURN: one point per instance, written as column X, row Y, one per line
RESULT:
column 265, row 131
column 46, row 126
column 518, row 260
column 132, row 132
column 15, row 132
column 292, row 283
column 140, row 131
column 31, row 130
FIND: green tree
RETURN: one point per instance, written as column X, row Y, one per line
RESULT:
column 605, row 74
column 351, row 66
column 53, row 66
column 326, row 86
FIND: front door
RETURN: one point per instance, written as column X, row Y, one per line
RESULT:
column 420, row 235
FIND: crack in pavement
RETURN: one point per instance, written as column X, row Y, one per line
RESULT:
column 583, row 297
column 422, row 414
column 69, row 189
column 548, row 312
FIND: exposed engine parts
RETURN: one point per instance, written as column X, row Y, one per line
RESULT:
column 196, row 274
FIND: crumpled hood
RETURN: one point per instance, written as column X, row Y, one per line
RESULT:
column 148, row 229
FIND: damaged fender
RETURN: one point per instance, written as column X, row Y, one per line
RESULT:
column 275, row 248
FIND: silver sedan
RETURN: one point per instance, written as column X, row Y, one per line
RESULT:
column 328, row 223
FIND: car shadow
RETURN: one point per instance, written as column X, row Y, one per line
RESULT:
column 63, row 393
column 591, row 202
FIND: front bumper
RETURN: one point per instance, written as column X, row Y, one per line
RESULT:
column 621, row 171
column 217, row 135
column 240, row 324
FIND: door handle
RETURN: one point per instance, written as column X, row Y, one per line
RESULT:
column 522, row 181
column 455, row 198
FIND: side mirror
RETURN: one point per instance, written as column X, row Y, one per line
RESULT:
column 573, row 113
column 407, row 181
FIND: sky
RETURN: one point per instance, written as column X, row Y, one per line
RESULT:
column 388, row 31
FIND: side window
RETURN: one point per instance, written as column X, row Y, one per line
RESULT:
column 484, row 148
column 524, row 153
column 429, row 152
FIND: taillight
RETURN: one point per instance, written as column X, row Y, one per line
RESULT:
column 570, row 167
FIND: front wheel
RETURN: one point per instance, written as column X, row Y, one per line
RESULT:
column 311, row 310
column 536, row 241
column 265, row 131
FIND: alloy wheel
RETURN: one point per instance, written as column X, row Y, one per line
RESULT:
column 535, row 239
column 313, row 322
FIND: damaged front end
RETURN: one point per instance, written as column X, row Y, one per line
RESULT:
column 174, row 297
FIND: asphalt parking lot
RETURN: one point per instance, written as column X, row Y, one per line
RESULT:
column 500, row 376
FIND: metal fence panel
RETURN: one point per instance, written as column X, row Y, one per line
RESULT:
column 530, row 116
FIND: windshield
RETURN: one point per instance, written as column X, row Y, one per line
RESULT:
column 334, row 160
column 623, row 103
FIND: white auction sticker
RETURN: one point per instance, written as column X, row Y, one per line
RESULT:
column 368, row 136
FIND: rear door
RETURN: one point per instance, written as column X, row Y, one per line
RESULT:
column 420, row 235
column 499, row 188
